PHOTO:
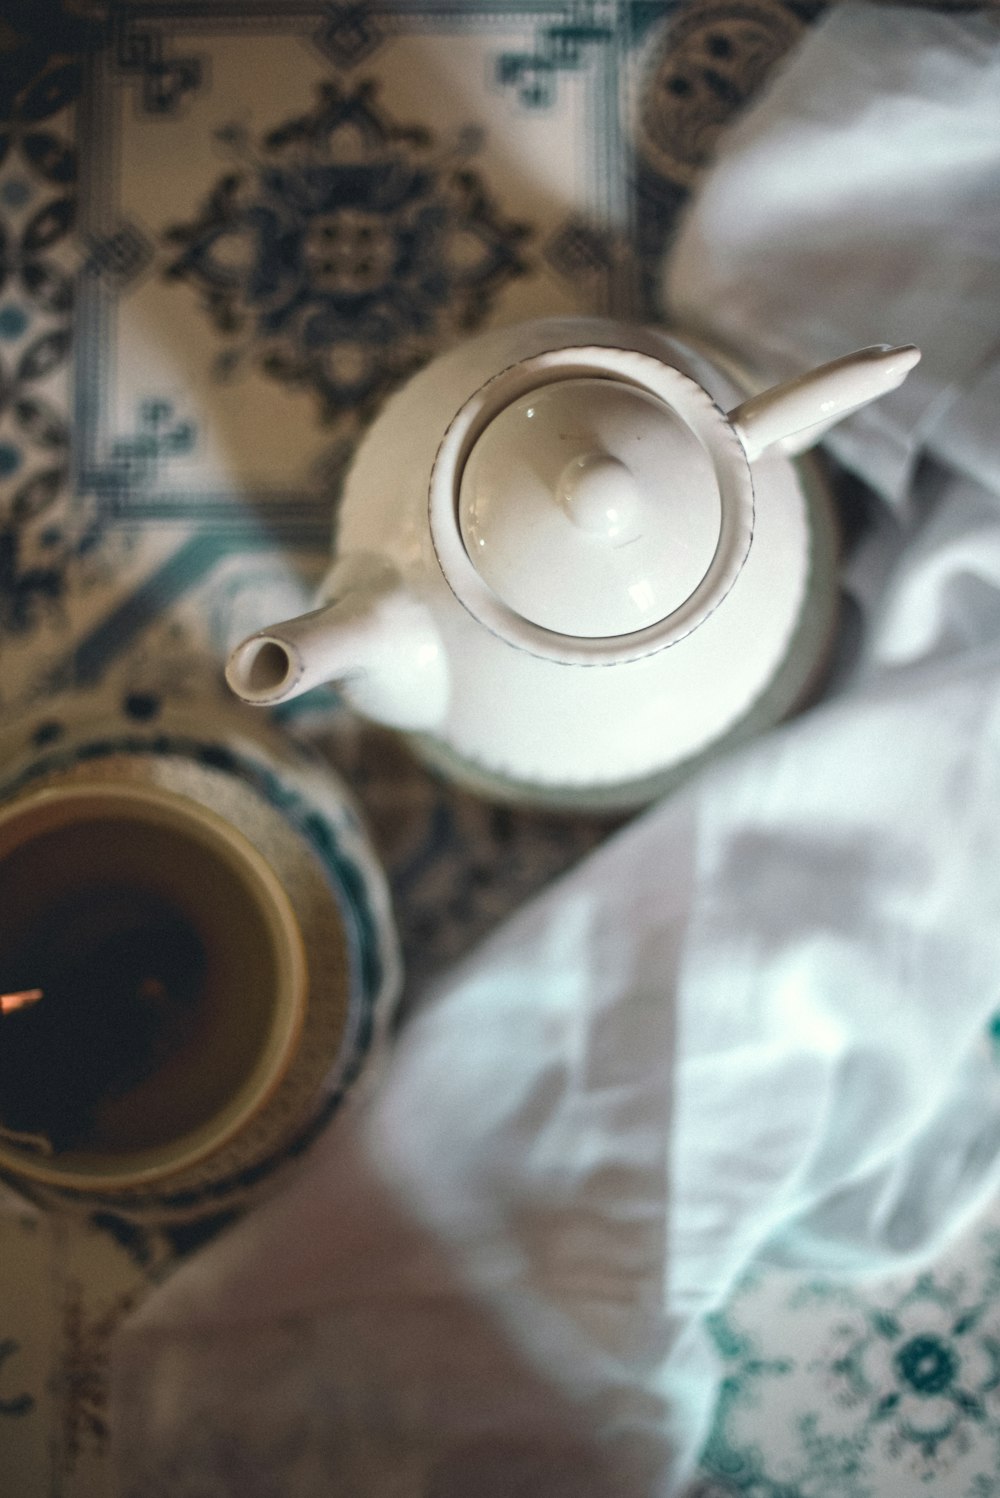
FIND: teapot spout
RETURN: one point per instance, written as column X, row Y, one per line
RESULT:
column 376, row 641
column 798, row 412
column 289, row 658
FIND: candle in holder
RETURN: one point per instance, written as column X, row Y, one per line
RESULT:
column 197, row 959
column 153, row 976
column 119, row 978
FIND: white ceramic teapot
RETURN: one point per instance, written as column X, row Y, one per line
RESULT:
column 566, row 571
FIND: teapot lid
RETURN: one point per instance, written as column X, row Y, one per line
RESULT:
column 591, row 505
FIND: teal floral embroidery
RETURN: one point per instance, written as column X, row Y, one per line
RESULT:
column 923, row 1373
column 840, row 1390
column 927, row 1364
column 731, row 1467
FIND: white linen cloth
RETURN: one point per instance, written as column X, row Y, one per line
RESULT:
column 857, row 204
column 754, row 1023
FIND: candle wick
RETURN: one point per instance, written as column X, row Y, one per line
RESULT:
column 20, row 1000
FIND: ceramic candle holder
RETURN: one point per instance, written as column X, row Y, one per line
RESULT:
column 197, row 961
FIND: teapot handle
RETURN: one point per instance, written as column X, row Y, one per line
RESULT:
column 798, row 411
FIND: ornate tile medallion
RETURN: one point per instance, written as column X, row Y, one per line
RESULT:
column 264, row 264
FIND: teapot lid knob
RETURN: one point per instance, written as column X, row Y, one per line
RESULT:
column 590, row 507
column 601, row 494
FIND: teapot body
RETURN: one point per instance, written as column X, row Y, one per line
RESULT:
column 516, row 726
